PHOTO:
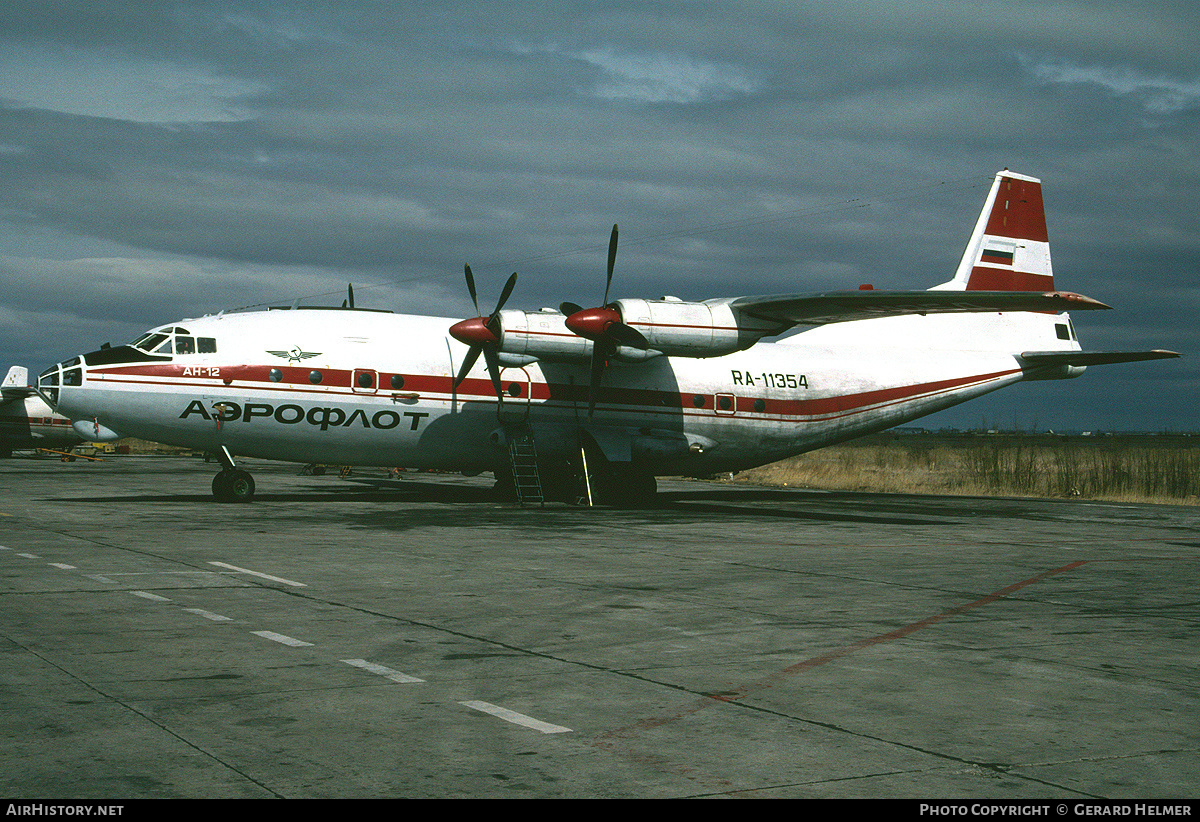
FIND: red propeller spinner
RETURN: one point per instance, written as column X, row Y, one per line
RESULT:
column 482, row 335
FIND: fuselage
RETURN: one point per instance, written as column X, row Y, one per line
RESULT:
column 376, row 388
column 31, row 423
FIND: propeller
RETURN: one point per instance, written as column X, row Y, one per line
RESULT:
column 482, row 334
column 604, row 327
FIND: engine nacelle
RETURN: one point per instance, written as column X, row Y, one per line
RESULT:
column 543, row 335
column 687, row 329
column 669, row 326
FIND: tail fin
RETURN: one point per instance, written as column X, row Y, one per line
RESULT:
column 17, row 377
column 1009, row 249
column 15, row 385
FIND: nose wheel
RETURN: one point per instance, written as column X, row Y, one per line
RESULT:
column 233, row 486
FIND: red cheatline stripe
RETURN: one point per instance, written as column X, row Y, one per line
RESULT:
column 817, row 661
column 296, row 381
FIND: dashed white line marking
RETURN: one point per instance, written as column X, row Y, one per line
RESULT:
column 150, row 596
column 208, row 615
column 165, row 573
column 29, row 556
column 62, row 566
column 286, row 640
column 259, row 574
column 516, row 718
column 375, row 668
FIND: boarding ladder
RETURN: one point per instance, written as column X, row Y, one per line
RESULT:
column 522, row 454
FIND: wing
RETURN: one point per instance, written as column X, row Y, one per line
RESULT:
column 843, row 306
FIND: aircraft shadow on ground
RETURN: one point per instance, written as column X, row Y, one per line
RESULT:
column 701, row 504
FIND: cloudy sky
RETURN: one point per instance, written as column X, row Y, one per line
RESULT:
column 166, row 160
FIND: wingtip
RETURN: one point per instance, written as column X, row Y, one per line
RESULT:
column 1078, row 300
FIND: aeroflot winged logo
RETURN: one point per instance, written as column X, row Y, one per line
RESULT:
column 295, row 355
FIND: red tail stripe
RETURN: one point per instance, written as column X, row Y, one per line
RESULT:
column 1005, row 279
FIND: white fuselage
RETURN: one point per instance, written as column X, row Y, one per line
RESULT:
column 376, row 388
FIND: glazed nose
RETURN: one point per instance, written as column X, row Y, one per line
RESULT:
column 54, row 379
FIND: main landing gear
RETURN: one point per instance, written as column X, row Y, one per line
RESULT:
column 232, row 484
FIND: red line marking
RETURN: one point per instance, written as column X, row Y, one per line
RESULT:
column 812, row 410
column 771, row 680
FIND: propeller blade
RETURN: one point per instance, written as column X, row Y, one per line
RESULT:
column 569, row 308
column 493, row 322
column 468, row 363
column 612, row 259
column 623, row 334
column 506, row 293
column 493, row 365
column 471, row 287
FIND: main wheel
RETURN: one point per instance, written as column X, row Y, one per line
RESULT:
column 233, row 486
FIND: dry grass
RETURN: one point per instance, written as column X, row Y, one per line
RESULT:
column 1156, row 469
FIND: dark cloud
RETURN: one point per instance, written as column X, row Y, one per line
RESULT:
column 176, row 159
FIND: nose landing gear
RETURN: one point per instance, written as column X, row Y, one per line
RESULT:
column 232, row 484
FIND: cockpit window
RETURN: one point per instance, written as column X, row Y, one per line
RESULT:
column 149, row 341
column 174, row 341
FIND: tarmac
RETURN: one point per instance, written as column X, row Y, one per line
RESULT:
column 367, row 637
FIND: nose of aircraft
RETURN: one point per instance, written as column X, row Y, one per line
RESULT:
column 50, row 381
column 59, row 386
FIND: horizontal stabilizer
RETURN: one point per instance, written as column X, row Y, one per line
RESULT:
column 8, row 395
column 844, row 306
column 1093, row 357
